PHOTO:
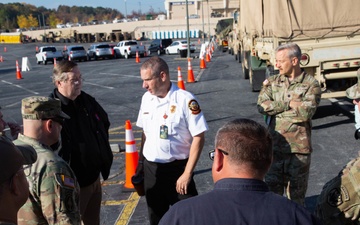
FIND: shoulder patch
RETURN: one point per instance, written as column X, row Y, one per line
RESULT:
column 194, row 107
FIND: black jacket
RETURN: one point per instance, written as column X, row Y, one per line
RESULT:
column 85, row 138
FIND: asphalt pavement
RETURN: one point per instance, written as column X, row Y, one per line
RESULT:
column 222, row 93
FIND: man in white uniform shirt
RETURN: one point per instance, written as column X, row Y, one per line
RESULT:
column 173, row 137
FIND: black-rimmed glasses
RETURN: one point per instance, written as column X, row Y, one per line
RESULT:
column 212, row 153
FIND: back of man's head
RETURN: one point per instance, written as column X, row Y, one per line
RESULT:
column 249, row 146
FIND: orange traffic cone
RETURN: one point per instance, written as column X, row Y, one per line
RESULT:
column 1, row 59
column 5, row 50
column 181, row 84
column 131, row 157
column 137, row 57
column 18, row 73
column 202, row 62
column 190, row 72
column 55, row 62
column 207, row 55
column 37, row 48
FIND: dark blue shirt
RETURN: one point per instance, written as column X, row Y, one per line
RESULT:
column 238, row 201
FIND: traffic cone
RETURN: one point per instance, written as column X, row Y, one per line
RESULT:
column 54, row 62
column 1, row 59
column 18, row 73
column 137, row 57
column 131, row 155
column 190, row 72
column 208, row 55
column 65, row 48
column 181, row 84
column 37, row 48
column 202, row 62
column 5, row 50
column 199, row 41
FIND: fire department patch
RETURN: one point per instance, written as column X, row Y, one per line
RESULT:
column 194, row 107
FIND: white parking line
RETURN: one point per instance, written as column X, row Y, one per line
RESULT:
column 98, row 85
column 18, row 86
column 123, row 75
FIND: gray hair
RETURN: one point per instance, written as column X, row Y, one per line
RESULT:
column 61, row 69
column 293, row 50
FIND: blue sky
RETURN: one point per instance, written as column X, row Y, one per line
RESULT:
column 143, row 5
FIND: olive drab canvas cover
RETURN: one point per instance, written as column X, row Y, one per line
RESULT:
column 305, row 18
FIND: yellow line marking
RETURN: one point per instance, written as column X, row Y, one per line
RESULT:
column 128, row 210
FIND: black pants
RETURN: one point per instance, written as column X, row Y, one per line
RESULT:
column 160, row 187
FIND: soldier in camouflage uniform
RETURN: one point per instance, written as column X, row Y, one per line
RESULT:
column 339, row 201
column 353, row 93
column 288, row 101
column 13, row 184
column 15, row 128
column 54, row 191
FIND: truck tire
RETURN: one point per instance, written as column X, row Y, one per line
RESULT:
column 95, row 57
column 239, row 56
column 44, row 62
column 37, row 61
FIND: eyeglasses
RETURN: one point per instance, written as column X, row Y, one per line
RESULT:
column 75, row 81
column 59, row 120
column 212, row 153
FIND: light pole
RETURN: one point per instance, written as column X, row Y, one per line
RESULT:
column 187, row 28
column 203, row 28
column 208, row 19
column 125, row 10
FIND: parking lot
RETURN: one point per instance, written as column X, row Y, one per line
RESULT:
column 222, row 94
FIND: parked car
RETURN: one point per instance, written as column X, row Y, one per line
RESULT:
column 48, row 54
column 75, row 52
column 177, row 46
column 159, row 46
column 128, row 49
column 99, row 51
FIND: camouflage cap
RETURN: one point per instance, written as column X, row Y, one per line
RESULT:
column 37, row 107
column 353, row 92
column 12, row 158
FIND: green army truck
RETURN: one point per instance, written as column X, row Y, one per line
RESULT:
column 327, row 31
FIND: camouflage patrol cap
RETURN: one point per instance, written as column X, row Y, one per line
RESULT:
column 13, row 157
column 37, row 107
column 353, row 92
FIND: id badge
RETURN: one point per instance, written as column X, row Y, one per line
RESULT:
column 163, row 132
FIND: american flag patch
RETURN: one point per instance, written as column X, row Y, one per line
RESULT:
column 68, row 181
